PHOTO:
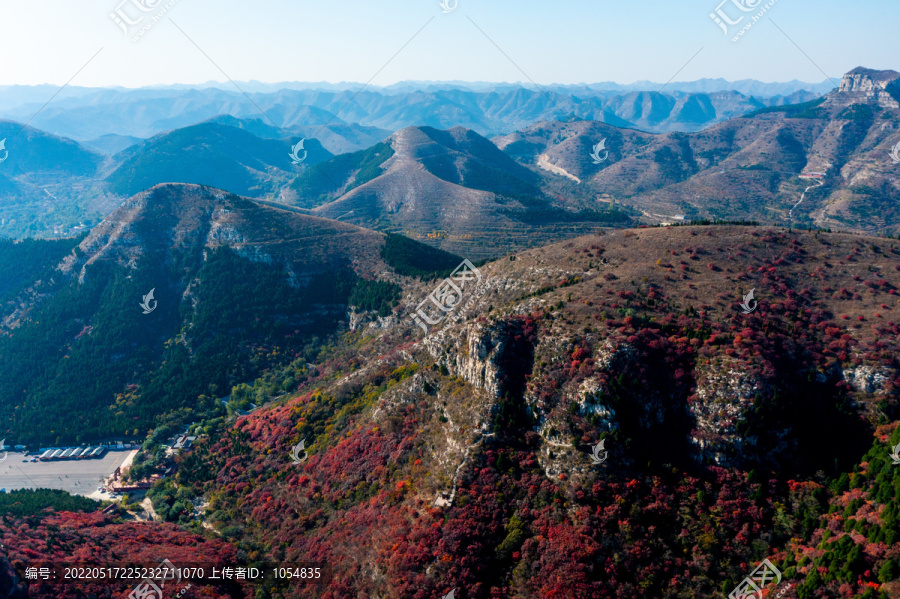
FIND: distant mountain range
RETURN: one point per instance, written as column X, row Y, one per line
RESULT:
column 823, row 162
column 12, row 95
column 356, row 117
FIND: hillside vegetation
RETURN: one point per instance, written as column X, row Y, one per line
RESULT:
column 462, row 460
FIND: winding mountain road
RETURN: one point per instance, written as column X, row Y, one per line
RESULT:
column 802, row 195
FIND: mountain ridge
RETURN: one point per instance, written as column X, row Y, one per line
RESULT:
column 754, row 167
column 181, row 241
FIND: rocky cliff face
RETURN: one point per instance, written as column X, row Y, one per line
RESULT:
column 867, row 85
column 495, row 356
column 474, row 355
column 710, row 386
column 724, row 395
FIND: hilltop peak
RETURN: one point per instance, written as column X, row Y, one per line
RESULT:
column 869, row 85
column 872, row 76
column 178, row 217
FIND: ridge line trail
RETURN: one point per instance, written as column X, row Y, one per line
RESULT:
column 802, row 195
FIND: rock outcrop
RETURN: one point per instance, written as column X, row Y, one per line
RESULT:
column 867, row 379
column 868, row 85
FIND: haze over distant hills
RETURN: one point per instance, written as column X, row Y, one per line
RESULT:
column 11, row 95
column 455, row 185
column 756, row 167
column 86, row 114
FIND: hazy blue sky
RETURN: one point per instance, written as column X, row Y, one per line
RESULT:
column 559, row 41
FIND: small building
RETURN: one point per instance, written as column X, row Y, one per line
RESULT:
column 184, row 442
column 55, row 454
column 46, row 454
column 98, row 453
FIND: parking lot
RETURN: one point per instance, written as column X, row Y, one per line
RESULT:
column 81, row 477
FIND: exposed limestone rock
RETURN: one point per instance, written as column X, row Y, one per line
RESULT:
column 589, row 399
column 224, row 234
column 473, row 355
column 254, row 253
column 371, row 320
column 723, row 395
column 614, row 356
column 867, row 85
column 867, row 379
